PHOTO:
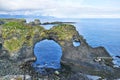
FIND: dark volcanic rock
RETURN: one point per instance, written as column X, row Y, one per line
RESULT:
column 81, row 60
column 57, row 22
column 35, row 22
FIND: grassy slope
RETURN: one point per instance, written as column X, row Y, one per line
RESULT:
column 16, row 33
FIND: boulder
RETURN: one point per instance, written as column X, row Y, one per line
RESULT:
column 37, row 22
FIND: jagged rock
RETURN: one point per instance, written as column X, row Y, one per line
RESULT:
column 16, row 77
column 0, row 31
column 79, row 59
column 1, row 22
column 79, row 76
column 37, row 22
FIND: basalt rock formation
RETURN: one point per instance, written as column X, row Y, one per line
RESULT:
column 18, row 39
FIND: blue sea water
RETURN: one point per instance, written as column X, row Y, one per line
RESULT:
column 76, row 44
column 100, row 32
column 47, row 27
column 48, row 54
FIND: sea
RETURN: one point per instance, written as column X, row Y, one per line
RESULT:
column 98, row 32
column 102, row 32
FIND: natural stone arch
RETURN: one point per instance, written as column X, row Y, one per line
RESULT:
column 78, row 58
column 65, row 44
column 54, row 53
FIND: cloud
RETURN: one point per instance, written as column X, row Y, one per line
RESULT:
column 57, row 8
column 9, row 5
column 87, row 12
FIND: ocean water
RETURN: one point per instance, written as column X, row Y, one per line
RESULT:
column 102, row 32
column 48, row 54
column 76, row 44
column 99, row 32
column 47, row 27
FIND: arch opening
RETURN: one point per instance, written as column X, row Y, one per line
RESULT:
column 76, row 43
column 48, row 54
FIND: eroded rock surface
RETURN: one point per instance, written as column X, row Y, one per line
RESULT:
column 18, row 40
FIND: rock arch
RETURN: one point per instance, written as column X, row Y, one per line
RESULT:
column 48, row 54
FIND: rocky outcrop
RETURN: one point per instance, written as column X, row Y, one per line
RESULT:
column 82, row 59
column 35, row 22
column 57, row 22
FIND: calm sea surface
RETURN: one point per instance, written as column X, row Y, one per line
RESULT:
column 48, row 54
column 99, row 32
column 102, row 32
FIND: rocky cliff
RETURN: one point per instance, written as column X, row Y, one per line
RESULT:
column 18, row 39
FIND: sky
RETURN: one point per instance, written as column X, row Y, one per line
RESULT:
column 62, row 8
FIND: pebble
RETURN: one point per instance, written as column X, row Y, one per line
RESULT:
column 57, row 72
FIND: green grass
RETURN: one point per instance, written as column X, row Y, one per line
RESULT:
column 13, row 44
column 16, row 34
column 64, row 31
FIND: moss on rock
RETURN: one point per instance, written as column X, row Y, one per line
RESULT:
column 64, row 31
column 15, row 34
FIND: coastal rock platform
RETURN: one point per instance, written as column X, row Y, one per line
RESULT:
column 16, row 54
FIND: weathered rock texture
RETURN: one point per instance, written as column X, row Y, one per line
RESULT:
column 83, row 58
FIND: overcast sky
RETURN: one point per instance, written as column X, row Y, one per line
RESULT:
column 62, row 8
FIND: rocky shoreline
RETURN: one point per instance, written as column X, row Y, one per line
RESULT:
column 57, row 22
column 77, row 62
